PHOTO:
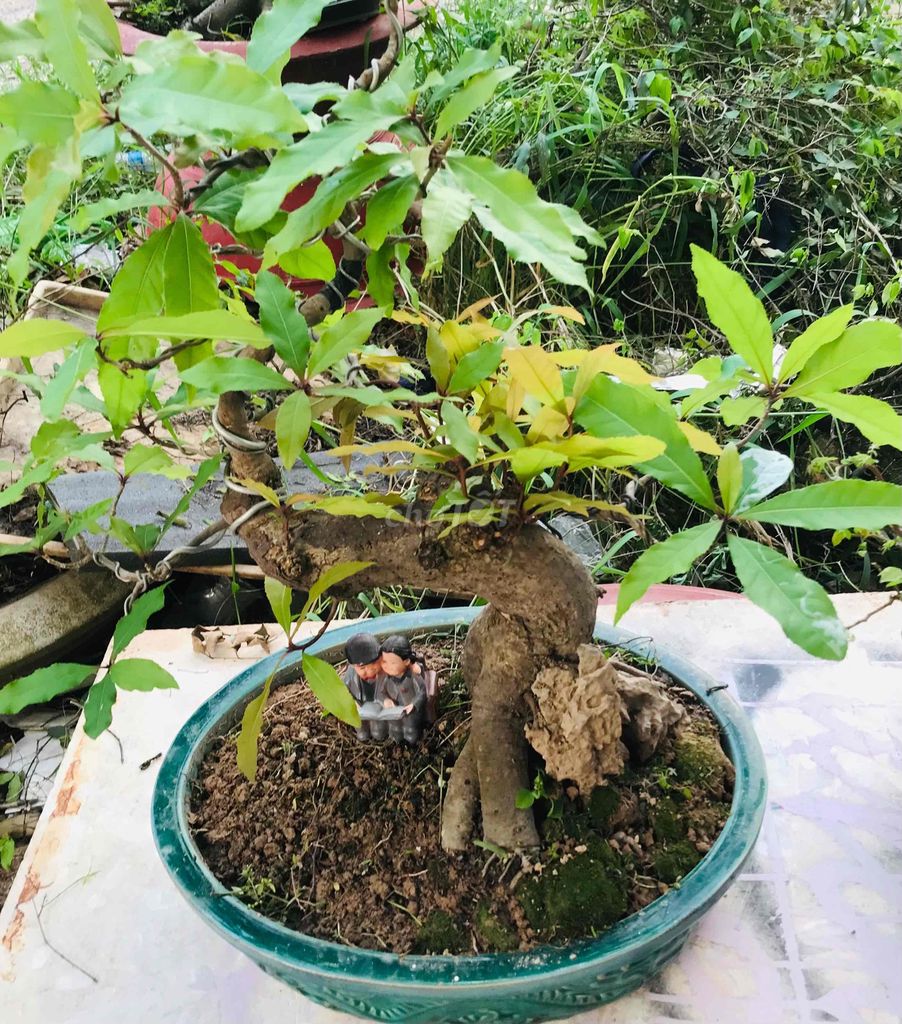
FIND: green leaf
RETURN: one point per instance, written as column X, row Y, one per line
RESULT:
column 525, row 799
column 461, row 436
column 141, row 539
column 328, row 202
column 891, row 576
column 735, row 311
column 217, row 324
column 851, row 359
column 533, row 231
column 135, row 622
column 878, row 421
column 42, row 113
column 58, row 21
column 251, row 723
column 387, row 210
column 342, row 338
column 146, row 459
column 663, row 560
column 292, row 427
column 824, row 330
column 220, row 374
column 279, row 597
column 201, row 93
column 20, row 39
column 446, row 208
column 141, row 674
column 98, row 707
column 74, row 368
column 359, row 506
column 801, row 606
column 610, row 409
column 123, row 393
column 204, row 471
column 279, row 28
column 393, row 98
column 763, row 471
column 7, row 852
column 475, row 366
column 111, row 205
column 330, row 578
column 472, row 62
column 99, row 26
column 30, row 338
column 475, row 94
column 43, row 685
column 736, row 411
column 836, row 505
column 51, row 171
column 317, row 154
column 729, row 476
column 171, row 274
column 380, row 281
column 330, row 690
column 313, row 262
column 281, row 321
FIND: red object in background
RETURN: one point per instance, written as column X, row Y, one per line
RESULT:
column 330, row 55
column 216, row 234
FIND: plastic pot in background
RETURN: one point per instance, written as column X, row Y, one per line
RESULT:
column 330, row 54
column 511, row 988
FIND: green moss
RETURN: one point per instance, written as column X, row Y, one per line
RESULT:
column 667, row 822
column 676, row 860
column 440, row 933
column 603, row 801
column 571, row 900
column 157, row 15
column 698, row 761
column 494, row 934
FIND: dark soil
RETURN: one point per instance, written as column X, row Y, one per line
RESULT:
column 340, row 839
column 19, row 573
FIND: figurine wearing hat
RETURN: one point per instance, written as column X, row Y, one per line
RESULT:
column 363, row 678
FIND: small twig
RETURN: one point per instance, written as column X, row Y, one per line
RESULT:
column 53, row 949
column 896, row 596
column 144, row 765
column 178, row 190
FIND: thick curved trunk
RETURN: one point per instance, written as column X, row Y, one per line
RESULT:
column 541, row 608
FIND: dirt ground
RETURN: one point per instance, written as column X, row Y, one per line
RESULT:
column 341, row 839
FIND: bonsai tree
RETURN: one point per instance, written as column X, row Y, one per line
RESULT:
column 492, row 425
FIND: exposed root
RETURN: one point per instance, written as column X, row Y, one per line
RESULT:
column 459, row 808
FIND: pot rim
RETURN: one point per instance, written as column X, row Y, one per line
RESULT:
column 614, row 949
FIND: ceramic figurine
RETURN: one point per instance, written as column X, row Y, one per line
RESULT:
column 403, row 686
column 363, row 676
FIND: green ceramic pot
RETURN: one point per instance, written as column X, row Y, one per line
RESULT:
column 513, row 988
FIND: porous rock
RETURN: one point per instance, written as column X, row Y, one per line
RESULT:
column 578, row 726
column 648, row 714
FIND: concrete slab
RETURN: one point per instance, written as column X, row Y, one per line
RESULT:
column 94, row 932
column 149, row 499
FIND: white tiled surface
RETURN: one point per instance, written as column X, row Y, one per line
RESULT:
column 811, row 932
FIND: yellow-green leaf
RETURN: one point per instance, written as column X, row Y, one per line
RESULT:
column 143, row 458
column 292, row 427
column 851, row 359
column 330, row 690
column 30, row 338
column 824, row 330
column 536, row 371
column 251, row 723
column 876, row 419
column 729, row 476
column 279, row 597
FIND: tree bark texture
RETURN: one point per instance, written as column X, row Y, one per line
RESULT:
column 541, row 609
